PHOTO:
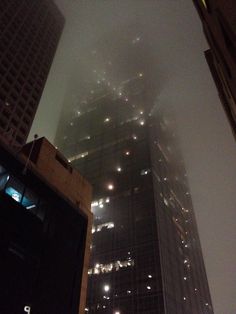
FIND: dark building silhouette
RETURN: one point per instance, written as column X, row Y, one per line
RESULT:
column 45, row 232
column 29, row 34
column 145, row 256
column 219, row 24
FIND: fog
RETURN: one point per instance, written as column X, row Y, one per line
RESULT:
column 169, row 52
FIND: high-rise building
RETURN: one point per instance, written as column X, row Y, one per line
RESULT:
column 145, row 255
column 219, row 26
column 45, row 232
column 29, row 34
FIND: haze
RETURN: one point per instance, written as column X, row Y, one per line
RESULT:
column 179, row 78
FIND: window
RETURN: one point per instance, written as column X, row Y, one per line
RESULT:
column 14, row 188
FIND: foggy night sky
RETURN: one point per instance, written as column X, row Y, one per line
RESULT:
column 184, row 83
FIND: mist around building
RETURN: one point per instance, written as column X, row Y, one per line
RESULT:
column 102, row 219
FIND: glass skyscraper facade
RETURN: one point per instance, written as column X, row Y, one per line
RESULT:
column 145, row 256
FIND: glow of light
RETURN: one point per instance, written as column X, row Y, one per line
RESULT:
column 120, row 94
column 78, row 113
column 117, row 312
column 204, row 3
column 119, row 169
column 206, row 304
column 106, row 288
column 142, row 122
column 140, row 75
column 195, row 289
column 101, row 205
column 110, row 187
column 149, row 288
column 127, row 153
column 97, row 265
column 141, row 112
column 126, row 99
column 86, row 309
column 134, row 137
column 185, row 261
column 16, row 196
column 107, row 120
column 7, row 104
column 185, row 278
column 128, row 291
column 107, row 200
column 149, row 276
column 184, row 298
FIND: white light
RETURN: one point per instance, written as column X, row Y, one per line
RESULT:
column 119, row 169
column 126, row 99
column 185, row 261
column 128, row 291
column 141, row 112
column 195, row 289
column 7, row 103
column 101, row 205
column 106, row 288
column 107, row 120
column 78, row 113
column 110, row 187
column 120, row 94
column 16, row 197
column 107, row 200
column 149, row 288
column 117, row 312
column 185, row 278
column 86, row 309
column 97, row 265
column 134, row 137
column 165, row 179
column 127, row 153
column 184, row 298
column 142, row 122
column 149, row 276
column 140, row 75
column 206, row 304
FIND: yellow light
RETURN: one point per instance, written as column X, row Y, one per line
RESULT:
column 204, row 3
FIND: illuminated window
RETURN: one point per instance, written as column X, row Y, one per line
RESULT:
column 114, row 266
column 110, row 187
column 76, row 157
column 106, row 120
column 106, row 288
column 144, row 172
column 98, row 228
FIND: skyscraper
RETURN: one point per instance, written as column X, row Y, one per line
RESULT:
column 29, row 34
column 146, row 256
column 219, row 26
